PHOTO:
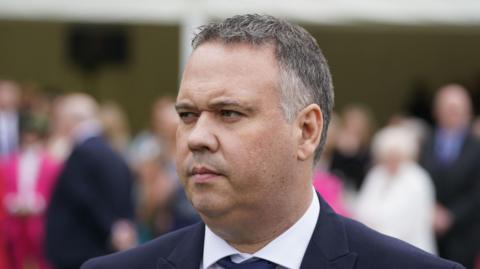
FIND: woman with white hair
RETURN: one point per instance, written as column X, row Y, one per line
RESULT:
column 398, row 196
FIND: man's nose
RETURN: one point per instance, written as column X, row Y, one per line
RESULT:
column 202, row 137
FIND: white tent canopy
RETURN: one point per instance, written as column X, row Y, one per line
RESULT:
column 444, row 12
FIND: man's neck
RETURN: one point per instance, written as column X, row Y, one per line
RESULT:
column 262, row 231
column 86, row 130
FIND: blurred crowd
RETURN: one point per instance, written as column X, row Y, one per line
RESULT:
column 75, row 184
column 409, row 179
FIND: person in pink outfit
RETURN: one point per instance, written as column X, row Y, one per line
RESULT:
column 326, row 183
column 29, row 176
column 331, row 189
column 4, row 259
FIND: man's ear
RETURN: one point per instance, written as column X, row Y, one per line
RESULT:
column 310, row 125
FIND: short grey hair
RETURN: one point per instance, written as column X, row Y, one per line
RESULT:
column 304, row 74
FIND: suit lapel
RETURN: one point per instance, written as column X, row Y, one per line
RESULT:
column 439, row 170
column 463, row 152
column 328, row 247
column 188, row 253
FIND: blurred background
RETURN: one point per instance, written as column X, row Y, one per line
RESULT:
column 394, row 63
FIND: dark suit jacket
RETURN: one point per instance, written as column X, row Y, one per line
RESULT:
column 337, row 243
column 92, row 192
column 458, row 188
column 457, row 184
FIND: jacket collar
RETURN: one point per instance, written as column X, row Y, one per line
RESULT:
column 189, row 251
column 328, row 247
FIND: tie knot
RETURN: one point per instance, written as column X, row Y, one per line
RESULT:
column 253, row 263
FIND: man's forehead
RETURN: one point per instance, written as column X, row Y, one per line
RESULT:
column 235, row 53
column 452, row 96
column 219, row 74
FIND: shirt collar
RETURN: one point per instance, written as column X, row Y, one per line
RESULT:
column 451, row 134
column 287, row 250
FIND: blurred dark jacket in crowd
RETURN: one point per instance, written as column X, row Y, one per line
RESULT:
column 451, row 155
column 351, row 168
column 93, row 192
column 457, row 184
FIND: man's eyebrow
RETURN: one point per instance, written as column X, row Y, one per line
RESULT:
column 230, row 103
column 216, row 105
column 184, row 106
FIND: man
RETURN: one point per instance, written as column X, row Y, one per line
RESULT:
column 451, row 157
column 9, row 99
column 255, row 102
column 91, row 203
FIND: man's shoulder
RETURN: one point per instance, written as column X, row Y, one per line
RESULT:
column 376, row 250
column 143, row 256
column 93, row 144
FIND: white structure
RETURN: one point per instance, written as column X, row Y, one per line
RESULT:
column 191, row 13
column 458, row 12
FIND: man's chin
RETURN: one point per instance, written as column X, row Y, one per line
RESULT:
column 209, row 208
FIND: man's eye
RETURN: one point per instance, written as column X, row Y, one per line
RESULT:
column 230, row 114
column 187, row 116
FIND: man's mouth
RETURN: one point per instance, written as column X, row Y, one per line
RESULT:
column 202, row 174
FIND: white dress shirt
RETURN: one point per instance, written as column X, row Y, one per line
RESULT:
column 287, row 250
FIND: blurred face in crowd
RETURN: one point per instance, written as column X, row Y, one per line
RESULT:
column 236, row 152
column 166, row 121
column 164, row 118
column 58, row 121
column 394, row 146
column 9, row 95
column 392, row 161
column 452, row 107
column 29, row 138
column 74, row 110
column 354, row 131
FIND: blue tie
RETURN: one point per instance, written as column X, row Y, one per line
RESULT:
column 248, row 264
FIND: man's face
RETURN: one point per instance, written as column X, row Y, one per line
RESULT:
column 236, row 152
column 9, row 95
column 452, row 109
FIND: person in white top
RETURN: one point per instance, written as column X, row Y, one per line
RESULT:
column 398, row 196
